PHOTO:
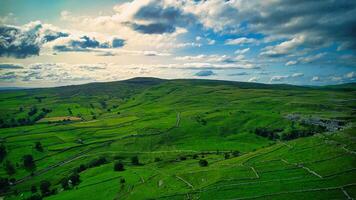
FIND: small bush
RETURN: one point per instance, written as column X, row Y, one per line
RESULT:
column 118, row 166
column 203, row 163
column 38, row 146
column 45, row 188
column 135, row 161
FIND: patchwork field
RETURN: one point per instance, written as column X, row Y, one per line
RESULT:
column 148, row 138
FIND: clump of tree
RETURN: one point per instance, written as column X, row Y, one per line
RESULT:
column 135, row 161
column 203, row 163
column 182, row 158
column 71, row 181
column 119, row 166
column 236, row 153
column 157, row 159
column 45, row 187
column 38, row 146
column 70, row 111
column 9, row 168
column 29, row 162
column 271, row 134
column 103, row 104
column 33, row 111
column 226, row 155
column 97, row 162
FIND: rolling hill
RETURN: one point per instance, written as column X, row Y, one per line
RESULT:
column 148, row 138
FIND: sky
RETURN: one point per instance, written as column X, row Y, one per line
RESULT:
column 52, row 43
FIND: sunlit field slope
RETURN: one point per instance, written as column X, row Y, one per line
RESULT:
column 147, row 138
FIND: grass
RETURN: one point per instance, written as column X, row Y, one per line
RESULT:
column 170, row 126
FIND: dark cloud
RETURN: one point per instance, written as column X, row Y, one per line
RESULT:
column 54, row 35
column 86, row 43
column 205, row 73
column 17, row 43
column 239, row 74
column 8, row 76
column 157, row 28
column 117, row 43
column 10, row 66
column 22, row 42
column 160, row 19
column 321, row 22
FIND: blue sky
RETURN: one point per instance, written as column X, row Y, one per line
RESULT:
column 51, row 43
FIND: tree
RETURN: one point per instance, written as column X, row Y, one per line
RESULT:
column 28, row 162
column 9, row 167
column 33, row 111
column 226, row 155
column 75, row 179
column 38, row 146
column 118, row 166
column 45, row 188
column 3, row 152
column 134, row 160
column 4, row 185
column 64, row 183
column 33, row 189
column 203, row 163
column 236, row 153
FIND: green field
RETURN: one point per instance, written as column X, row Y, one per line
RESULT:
column 259, row 141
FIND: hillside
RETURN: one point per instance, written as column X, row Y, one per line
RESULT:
column 179, row 139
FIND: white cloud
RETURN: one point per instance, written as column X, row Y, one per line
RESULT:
column 351, row 75
column 295, row 75
column 292, row 62
column 315, row 78
column 253, row 79
column 242, row 51
column 240, row 41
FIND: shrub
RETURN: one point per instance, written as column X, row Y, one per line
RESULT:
column 226, row 155
column 38, row 147
column 118, row 166
column 134, row 160
column 203, row 163
column 122, row 180
column 9, row 167
column 75, row 179
column 33, row 189
column 97, row 162
column 236, row 153
column 182, row 158
column 28, row 162
column 45, row 188
column 64, row 183
column 32, row 111
column 157, row 159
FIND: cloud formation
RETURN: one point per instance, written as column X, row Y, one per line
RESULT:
column 205, row 73
column 157, row 17
column 10, row 66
